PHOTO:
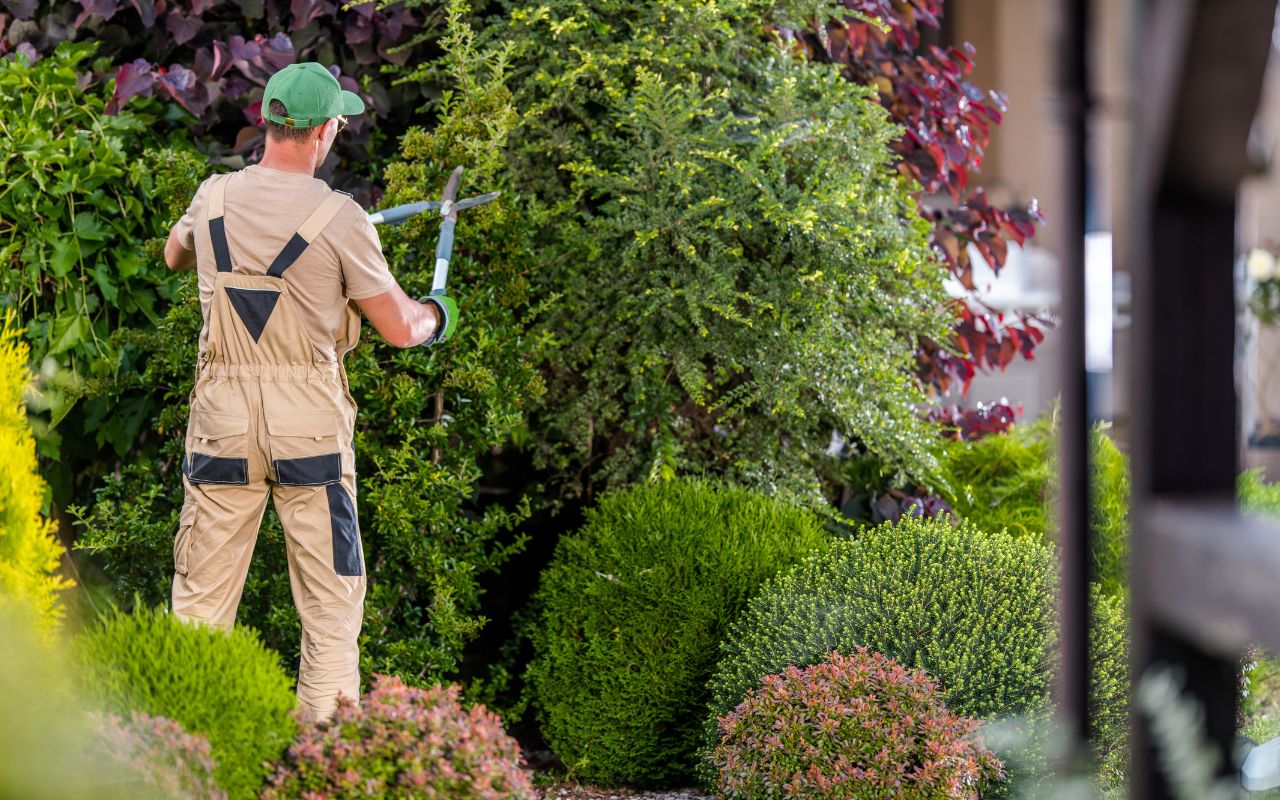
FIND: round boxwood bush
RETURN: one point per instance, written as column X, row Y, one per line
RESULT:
column 223, row 685
column 403, row 742
column 850, row 726
column 973, row 610
column 631, row 610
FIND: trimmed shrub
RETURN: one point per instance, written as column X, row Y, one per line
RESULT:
column 631, row 609
column 857, row 726
column 29, row 550
column 1008, row 482
column 160, row 755
column 973, row 610
column 223, row 685
column 1109, row 685
column 402, row 742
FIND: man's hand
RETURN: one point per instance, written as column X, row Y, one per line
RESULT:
column 178, row 257
column 447, row 316
column 401, row 320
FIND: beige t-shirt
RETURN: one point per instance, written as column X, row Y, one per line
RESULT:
column 263, row 207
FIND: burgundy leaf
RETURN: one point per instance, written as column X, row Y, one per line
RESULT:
column 22, row 9
column 212, row 62
column 182, row 29
column 185, row 87
column 199, row 7
column 146, row 11
column 133, row 79
column 27, row 50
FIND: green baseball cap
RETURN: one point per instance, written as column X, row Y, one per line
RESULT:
column 311, row 95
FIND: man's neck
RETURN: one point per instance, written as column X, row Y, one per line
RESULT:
column 290, row 159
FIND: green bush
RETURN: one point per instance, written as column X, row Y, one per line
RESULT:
column 224, row 686
column 722, row 219
column 1109, row 685
column 630, row 611
column 29, row 550
column 857, row 726
column 88, row 196
column 973, row 610
column 1007, row 482
column 1256, row 495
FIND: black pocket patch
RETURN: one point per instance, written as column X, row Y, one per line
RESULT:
column 309, row 471
column 216, row 469
column 346, row 532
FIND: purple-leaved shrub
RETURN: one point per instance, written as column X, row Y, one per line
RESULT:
column 403, row 742
column 858, row 726
column 160, row 755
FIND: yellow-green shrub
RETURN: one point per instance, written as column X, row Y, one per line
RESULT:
column 28, row 549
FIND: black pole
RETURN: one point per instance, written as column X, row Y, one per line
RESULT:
column 1072, row 689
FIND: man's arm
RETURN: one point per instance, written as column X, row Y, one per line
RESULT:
column 176, row 256
column 401, row 320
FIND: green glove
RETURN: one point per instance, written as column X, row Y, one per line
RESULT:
column 448, row 308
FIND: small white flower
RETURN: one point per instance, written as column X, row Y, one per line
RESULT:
column 1261, row 264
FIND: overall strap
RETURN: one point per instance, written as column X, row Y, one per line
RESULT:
column 307, row 233
column 217, row 225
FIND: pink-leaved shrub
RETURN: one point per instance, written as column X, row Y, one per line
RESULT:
column 858, row 726
column 158, row 754
column 403, row 742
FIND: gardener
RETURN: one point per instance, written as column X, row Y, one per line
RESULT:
column 282, row 261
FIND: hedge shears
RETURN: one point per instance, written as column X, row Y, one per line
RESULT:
column 448, row 208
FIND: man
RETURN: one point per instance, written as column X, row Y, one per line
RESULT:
column 282, row 261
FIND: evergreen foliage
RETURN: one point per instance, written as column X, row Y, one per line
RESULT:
column 972, row 610
column 1008, row 482
column 222, row 685
column 721, row 217
column 857, row 726
column 29, row 549
column 631, row 610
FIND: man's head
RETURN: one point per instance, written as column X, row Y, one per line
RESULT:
column 304, row 108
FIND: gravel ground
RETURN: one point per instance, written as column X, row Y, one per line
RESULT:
column 573, row 791
column 542, row 769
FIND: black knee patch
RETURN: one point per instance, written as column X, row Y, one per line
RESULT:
column 309, row 471
column 346, row 532
column 201, row 468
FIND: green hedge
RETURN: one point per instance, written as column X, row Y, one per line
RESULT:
column 223, row 685
column 631, row 609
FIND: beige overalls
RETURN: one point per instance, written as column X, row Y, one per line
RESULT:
column 267, row 417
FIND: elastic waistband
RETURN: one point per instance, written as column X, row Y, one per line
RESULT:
column 292, row 373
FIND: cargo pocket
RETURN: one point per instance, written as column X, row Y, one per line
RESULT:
column 219, row 448
column 348, row 557
column 182, row 542
column 304, row 449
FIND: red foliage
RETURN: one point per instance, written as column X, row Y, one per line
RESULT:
column 214, row 57
column 852, row 726
column 947, row 122
column 159, row 754
column 403, row 742
column 970, row 424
